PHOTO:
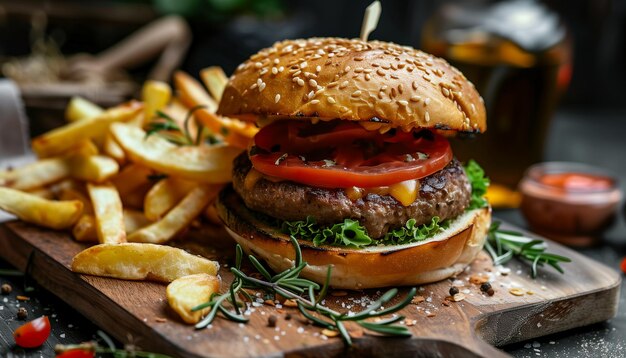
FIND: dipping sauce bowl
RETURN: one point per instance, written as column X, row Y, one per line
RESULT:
column 569, row 202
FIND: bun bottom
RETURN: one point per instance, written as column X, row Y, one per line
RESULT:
column 444, row 255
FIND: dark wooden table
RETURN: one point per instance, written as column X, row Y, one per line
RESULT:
column 594, row 137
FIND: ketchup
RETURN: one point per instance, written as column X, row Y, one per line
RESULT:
column 577, row 181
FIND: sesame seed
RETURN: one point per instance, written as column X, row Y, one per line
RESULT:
column 414, row 85
column 259, row 81
column 347, row 68
column 426, row 101
column 277, row 98
column 258, row 65
column 356, row 93
column 276, row 61
column 400, row 88
column 367, row 70
column 368, row 77
column 318, row 68
column 295, row 79
column 315, row 101
column 393, row 92
column 300, row 82
column 427, row 116
column 274, row 70
column 331, row 85
column 281, row 68
column 358, row 58
column 263, row 71
column 304, row 64
column 473, row 108
column 415, row 98
column 297, row 73
column 403, row 102
column 312, row 83
column 394, row 77
column 445, row 92
column 344, row 84
column 254, row 85
column 331, row 100
column 311, row 94
column 261, row 87
column 384, row 88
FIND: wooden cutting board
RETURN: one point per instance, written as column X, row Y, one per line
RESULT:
column 587, row 293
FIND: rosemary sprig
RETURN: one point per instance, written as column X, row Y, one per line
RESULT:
column 308, row 295
column 166, row 127
column 503, row 245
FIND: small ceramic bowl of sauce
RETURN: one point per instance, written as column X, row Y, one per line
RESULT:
column 569, row 202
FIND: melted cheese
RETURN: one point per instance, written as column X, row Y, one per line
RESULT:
column 405, row 192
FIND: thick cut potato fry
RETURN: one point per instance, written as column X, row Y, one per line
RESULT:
column 215, row 80
column 79, row 108
column 135, row 220
column 43, row 212
column 200, row 163
column 85, row 147
column 44, row 193
column 132, row 261
column 155, row 95
column 79, row 193
column 94, row 168
column 61, row 139
column 131, row 178
column 113, row 150
column 38, row 174
column 192, row 94
column 164, row 195
column 179, row 217
column 187, row 292
column 85, row 229
column 107, row 207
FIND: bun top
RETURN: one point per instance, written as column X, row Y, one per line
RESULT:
column 350, row 79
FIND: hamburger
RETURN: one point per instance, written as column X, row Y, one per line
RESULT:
column 352, row 160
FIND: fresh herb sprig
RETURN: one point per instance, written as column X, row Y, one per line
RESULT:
column 503, row 245
column 480, row 183
column 166, row 127
column 308, row 295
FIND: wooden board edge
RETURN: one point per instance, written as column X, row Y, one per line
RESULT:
column 59, row 280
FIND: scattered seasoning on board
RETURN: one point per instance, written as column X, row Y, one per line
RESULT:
column 22, row 313
column 271, row 321
column 516, row 291
column 418, row 299
column 287, row 316
column 6, row 289
column 453, row 290
column 22, row 298
column 486, row 288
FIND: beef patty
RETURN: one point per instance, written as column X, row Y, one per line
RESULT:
column 445, row 193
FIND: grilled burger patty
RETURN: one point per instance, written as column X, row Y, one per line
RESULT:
column 445, row 193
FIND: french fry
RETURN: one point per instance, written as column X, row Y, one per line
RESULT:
column 131, row 178
column 133, row 261
column 107, row 207
column 178, row 218
column 77, row 193
column 85, row 147
column 155, row 95
column 35, row 175
column 187, row 292
column 134, row 220
column 200, row 163
column 215, row 80
column 94, row 168
column 164, row 195
column 113, row 150
column 44, row 193
column 85, row 229
column 192, row 94
column 61, row 139
column 42, row 212
column 79, row 108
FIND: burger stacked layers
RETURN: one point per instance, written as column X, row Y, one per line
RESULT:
column 352, row 160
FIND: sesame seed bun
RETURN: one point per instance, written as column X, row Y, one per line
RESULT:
column 444, row 255
column 335, row 78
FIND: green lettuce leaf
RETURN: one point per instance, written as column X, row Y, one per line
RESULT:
column 479, row 182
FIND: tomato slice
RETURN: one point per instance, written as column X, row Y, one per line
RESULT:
column 32, row 334
column 76, row 353
column 341, row 154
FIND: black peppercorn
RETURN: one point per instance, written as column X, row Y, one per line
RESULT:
column 22, row 313
column 271, row 321
column 287, row 316
column 453, row 291
column 6, row 289
column 485, row 287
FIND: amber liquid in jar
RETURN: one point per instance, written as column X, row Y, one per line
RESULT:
column 570, row 203
column 520, row 86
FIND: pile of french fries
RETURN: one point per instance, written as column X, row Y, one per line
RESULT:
column 102, row 177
